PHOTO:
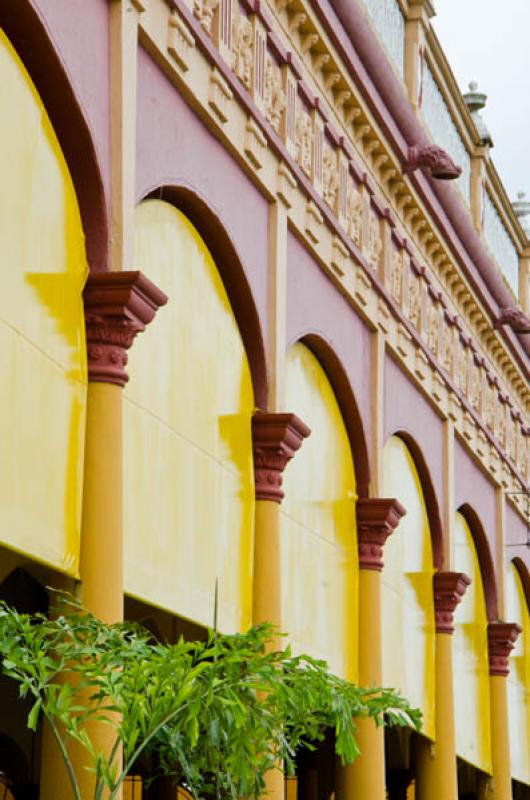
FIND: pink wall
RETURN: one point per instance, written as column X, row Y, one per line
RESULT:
column 176, row 149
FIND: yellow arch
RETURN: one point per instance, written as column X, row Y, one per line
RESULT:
column 406, row 589
column 42, row 339
column 470, row 657
column 318, row 530
column 519, row 679
column 189, row 496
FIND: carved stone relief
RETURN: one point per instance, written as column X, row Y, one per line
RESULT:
column 375, row 241
column 330, row 177
column 415, row 301
column 204, row 11
column 448, row 348
column 475, row 381
column 396, row 281
column 275, row 99
column 462, row 375
column 354, row 214
column 433, row 328
column 304, row 141
column 242, row 49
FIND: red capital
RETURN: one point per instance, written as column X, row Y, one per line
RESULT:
column 275, row 438
column 449, row 588
column 118, row 305
column 502, row 637
column 377, row 518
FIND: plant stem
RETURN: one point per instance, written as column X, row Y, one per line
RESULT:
column 66, row 757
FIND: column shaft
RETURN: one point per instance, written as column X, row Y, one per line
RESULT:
column 500, row 739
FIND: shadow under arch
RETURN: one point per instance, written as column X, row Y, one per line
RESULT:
column 347, row 403
column 230, row 267
column 524, row 575
column 485, row 560
column 29, row 37
column 429, row 494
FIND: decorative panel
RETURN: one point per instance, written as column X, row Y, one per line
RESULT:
column 407, row 602
column 443, row 130
column 189, row 493
column 318, row 528
column 519, row 679
column 470, row 657
column 501, row 245
column 43, row 269
column 389, row 23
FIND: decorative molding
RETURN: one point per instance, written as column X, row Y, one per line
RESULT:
column 502, row 637
column 275, row 439
column 448, row 588
column 118, row 305
column 377, row 518
column 434, row 160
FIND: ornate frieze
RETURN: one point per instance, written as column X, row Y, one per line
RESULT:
column 397, row 275
column 330, row 177
column 275, row 99
column 414, row 309
column 243, row 49
column 275, row 439
column 204, row 10
column 304, row 141
column 377, row 518
column 375, row 241
column 354, row 214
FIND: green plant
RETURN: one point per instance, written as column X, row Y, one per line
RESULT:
column 217, row 714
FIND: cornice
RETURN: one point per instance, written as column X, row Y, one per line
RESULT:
column 359, row 262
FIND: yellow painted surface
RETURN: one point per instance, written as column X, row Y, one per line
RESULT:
column 188, row 475
column 470, row 657
column 406, row 590
column 519, row 679
column 42, row 342
column 318, row 535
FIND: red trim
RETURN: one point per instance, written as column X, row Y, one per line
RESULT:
column 232, row 274
column 347, row 403
column 485, row 559
column 449, row 589
column 502, row 637
column 118, row 305
column 377, row 518
column 28, row 35
column 357, row 44
column 430, row 497
column 275, row 438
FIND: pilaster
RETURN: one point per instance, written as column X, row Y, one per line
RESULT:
column 417, row 21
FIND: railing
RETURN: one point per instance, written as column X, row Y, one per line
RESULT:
column 500, row 244
column 443, row 129
column 388, row 20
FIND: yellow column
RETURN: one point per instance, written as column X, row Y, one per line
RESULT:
column 501, row 640
column 276, row 438
column 117, row 306
column 376, row 519
column 524, row 279
column 436, row 774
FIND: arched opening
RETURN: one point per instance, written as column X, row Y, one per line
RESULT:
column 42, row 336
column 319, row 572
column 188, row 475
column 228, row 263
column 517, row 610
column 27, row 33
column 348, row 407
column 19, row 747
column 407, row 606
column 471, row 663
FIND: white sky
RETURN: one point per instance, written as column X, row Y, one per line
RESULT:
column 489, row 42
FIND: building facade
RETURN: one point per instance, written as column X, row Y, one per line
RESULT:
column 264, row 324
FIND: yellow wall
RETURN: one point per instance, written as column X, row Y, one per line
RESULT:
column 318, row 533
column 406, row 596
column 42, row 342
column 189, row 497
column 470, row 657
column 519, row 679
